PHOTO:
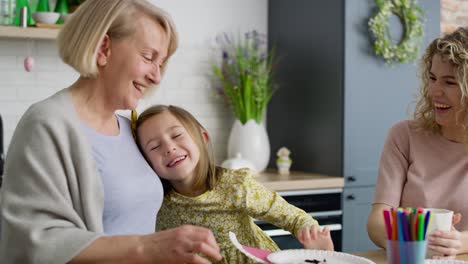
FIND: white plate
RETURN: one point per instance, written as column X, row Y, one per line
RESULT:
column 294, row 256
column 444, row 261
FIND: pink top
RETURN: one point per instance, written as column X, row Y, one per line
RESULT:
column 423, row 169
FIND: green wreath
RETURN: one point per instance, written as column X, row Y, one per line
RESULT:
column 411, row 16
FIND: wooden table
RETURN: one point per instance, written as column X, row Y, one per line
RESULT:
column 298, row 181
column 378, row 256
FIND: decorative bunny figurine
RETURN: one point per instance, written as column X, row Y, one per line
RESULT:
column 284, row 161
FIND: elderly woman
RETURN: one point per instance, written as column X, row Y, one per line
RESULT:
column 76, row 188
column 425, row 160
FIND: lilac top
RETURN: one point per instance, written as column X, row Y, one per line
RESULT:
column 133, row 192
column 423, row 169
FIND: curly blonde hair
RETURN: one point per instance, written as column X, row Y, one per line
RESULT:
column 453, row 48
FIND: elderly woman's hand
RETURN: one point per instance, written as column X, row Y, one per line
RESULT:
column 180, row 245
column 446, row 244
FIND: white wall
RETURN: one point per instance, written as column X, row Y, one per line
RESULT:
column 186, row 83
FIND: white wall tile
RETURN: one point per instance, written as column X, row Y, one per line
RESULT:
column 8, row 62
column 8, row 92
column 16, row 77
column 12, row 46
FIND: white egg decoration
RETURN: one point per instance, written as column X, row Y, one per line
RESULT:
column 29, row 63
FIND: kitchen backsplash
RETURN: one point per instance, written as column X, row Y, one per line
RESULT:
column 187, row 81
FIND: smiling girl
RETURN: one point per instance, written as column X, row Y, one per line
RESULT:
column 197, row 192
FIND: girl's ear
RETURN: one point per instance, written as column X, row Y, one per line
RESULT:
column 206, row 137
column 104, row 51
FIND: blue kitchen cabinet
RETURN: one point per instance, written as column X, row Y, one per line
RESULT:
column 356, row 208
column 375, row 97
column 336, row 99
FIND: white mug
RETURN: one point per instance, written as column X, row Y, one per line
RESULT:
column 441, row 219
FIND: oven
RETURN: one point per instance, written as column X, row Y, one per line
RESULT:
column 324, row 205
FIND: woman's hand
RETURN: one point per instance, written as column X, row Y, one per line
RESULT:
column 446, row 244
column 312, row 238
column 180, row 245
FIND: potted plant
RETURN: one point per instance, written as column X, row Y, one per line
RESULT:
column 245, row 75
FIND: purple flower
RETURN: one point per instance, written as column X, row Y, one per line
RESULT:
column 226, row 37
column 254, row 33
column 219, row 41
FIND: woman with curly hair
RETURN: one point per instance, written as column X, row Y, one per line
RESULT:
column 424, row 162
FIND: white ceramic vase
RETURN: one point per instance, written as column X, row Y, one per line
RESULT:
column 251, row 141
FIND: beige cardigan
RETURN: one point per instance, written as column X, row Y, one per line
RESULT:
column 52, row 196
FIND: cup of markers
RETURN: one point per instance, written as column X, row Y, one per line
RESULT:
column 406, row 235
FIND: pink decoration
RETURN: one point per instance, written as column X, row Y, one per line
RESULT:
column 29, row 63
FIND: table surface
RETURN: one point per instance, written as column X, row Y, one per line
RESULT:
column 298, row 181
column 378, row 256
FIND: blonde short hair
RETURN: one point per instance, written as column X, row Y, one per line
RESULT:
column 206, row 172
column 453, row 48
column 80, row 37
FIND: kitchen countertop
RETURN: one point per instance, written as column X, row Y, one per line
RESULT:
column 378, row 256
column 298, row 181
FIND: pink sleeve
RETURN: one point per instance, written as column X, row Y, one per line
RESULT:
column 393, row 166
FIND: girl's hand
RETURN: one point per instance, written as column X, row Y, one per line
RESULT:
column 446, row 244
column 312, row 238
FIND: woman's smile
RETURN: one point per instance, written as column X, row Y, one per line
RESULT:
column 140, row 89
column 442, row 108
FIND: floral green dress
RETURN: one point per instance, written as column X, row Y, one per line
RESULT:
column 230, row 206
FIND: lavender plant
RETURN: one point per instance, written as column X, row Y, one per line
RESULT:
column 245, row 72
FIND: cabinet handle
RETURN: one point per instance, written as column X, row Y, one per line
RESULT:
column 351, row 179
column 350, row 197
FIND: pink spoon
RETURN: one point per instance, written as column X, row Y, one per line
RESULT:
column 256, row 254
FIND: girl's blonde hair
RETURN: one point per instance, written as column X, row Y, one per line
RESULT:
column 79, row 39
column 205, row 171
column 452, row 48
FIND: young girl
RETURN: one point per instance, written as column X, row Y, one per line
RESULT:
column 196, row 192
